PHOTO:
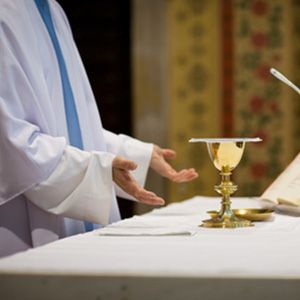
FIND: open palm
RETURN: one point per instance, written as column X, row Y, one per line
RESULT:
column 161, row 166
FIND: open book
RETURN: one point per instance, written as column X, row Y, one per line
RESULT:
column 285, row 190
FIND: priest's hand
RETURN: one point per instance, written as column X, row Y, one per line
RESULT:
column 159, row 164
column 121, row 175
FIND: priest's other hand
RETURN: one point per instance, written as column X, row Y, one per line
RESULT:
column 121, row 168
column 161, row 166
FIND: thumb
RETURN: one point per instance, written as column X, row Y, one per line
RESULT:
column 168, row 153
column 124, row 164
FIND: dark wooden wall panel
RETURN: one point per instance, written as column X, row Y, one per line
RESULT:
column 101, row 29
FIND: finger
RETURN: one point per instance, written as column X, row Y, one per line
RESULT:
column 152, row 200
column 148, row 197
column 122, row 163
column 184, row 175
column 125, row 181
column 168, row 153
column 130, row 186
column 165, row 169
column 179, row 176
column 157, row 201
column 191, row 173
column 187, row 176
column 129, row 165
column 141, row 193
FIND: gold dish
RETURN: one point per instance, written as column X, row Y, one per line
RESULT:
column 251, row 214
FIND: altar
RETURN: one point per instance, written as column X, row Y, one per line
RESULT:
column 164, row 255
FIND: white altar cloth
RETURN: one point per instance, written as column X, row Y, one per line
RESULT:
column 261, row 262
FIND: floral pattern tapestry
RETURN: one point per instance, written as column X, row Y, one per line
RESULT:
column 220, row 53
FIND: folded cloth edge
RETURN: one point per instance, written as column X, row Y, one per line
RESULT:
column 145, row 232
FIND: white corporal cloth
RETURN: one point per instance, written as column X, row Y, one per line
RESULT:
column 47, row 188
column 260, row 262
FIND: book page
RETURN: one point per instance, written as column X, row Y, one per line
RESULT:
column 286, row 187
column 291, row 194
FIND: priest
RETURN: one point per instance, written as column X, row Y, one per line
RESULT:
column 60, row 170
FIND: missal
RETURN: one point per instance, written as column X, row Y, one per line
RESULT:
column 285, row 190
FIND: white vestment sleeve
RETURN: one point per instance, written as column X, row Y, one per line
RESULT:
column 133, row 149
column 80, row 187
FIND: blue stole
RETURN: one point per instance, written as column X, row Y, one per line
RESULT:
column 74, row 132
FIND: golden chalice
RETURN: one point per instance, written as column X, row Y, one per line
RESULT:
column 226, row 154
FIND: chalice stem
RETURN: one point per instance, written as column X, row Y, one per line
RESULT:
column 226, row 188
column 226, row 206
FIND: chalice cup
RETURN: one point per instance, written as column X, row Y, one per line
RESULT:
column 226, row 154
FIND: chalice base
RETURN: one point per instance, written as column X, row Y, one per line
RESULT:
column 226, row 221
